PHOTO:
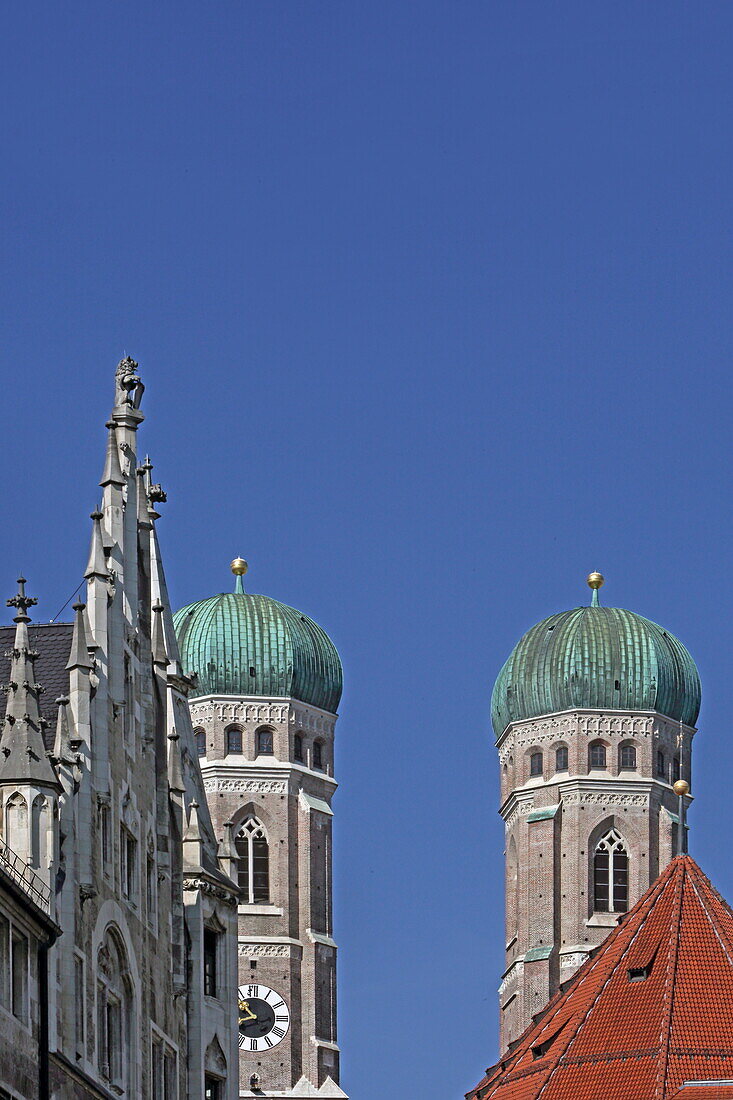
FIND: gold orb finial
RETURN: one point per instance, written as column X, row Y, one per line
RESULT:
column 681, row 787
column 239, row 567
column 595, row 580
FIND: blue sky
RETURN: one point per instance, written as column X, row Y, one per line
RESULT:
column 432, row 302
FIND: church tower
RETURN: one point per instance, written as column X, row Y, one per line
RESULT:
column 594, row 714
column 266, row 686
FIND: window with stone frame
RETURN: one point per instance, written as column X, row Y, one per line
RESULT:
column 114, row 1014
column 211, row 953
column 151, row 884
column 164, row 1069
column 561, row 758
column 233, row 739
column 128, row 868
column 199, row 737
column 611, row 874
column 596, row 755
column 5, row 965
column 105, row 838
column 212, row 1088
column 661, row 765
column 536, row 764
column 264, row 741
column 19, row 975
column 627, row 757
column 253, row 862
column 298, row 755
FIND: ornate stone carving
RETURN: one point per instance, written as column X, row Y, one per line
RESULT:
column 573, row 958
column 246, row 786
column 520, row 810
column 206, row 887
column 603, row 798
column 265, row 950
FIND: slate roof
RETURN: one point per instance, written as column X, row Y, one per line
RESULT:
column 650, row 1012
column 53, row 643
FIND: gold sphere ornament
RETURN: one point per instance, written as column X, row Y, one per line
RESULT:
column 239, row 567
column 595, row 580
column 681, row 788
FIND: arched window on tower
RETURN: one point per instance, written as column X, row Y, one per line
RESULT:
column 254, row 862
column 661, row 765
column 264, row 742
column 535, row 764
column 610, row 874
column 199, row 737
column 596, row 755
column 298, row 748
column 234, row 739
column 561, row 758
column 627, row 758
column 318, row 755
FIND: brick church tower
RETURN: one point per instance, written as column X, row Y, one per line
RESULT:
column 594, row 714
column 267, row 684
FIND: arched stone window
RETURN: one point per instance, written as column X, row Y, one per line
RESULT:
column 39, row 832
column 661, row 765
column 199, row 736
column 264, row 741
column 627, row 757
column 298, row 748
column 318, row 755
column 535, row 764
column 611, row 874
column 233, row 739
column 561, row 758
column 16, row 824
column 114, row 1015
column 254, row 861
column 596, row 755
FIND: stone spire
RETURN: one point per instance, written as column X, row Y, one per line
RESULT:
column 97, row 564
column 112, row 473
column 193, row 845
column 23, row 757
column 227, row 852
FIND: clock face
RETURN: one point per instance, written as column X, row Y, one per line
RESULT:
column 264, row 1018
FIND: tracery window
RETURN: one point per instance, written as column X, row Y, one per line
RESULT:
column 561, row 759
column 234, row 739
column 199, row 737
column 254, row 862
column 627, row 757
column 114, row 1010
column 264, row 742
column 535, row 763
column 611, row 874
column 597, row 755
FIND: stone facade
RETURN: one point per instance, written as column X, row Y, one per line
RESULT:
column 555, row 820
column 286, row 939
column 142, row 977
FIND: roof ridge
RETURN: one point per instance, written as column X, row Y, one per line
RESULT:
column 707, row 888
column 660, row 1089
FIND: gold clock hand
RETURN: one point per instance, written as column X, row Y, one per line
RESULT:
column 250, row 1014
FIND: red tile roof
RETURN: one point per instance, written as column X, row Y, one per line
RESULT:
column 606, row 1036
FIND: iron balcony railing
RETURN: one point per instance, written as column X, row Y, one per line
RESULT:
column 26, row 878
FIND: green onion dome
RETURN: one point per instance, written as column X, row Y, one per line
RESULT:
column 243, row 644
column 600, row 658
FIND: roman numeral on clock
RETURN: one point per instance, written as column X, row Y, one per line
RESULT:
column 282, row 1019
column 253, row 1044
column 279, row 1004
column 278, row 1031
column 268, row 1040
